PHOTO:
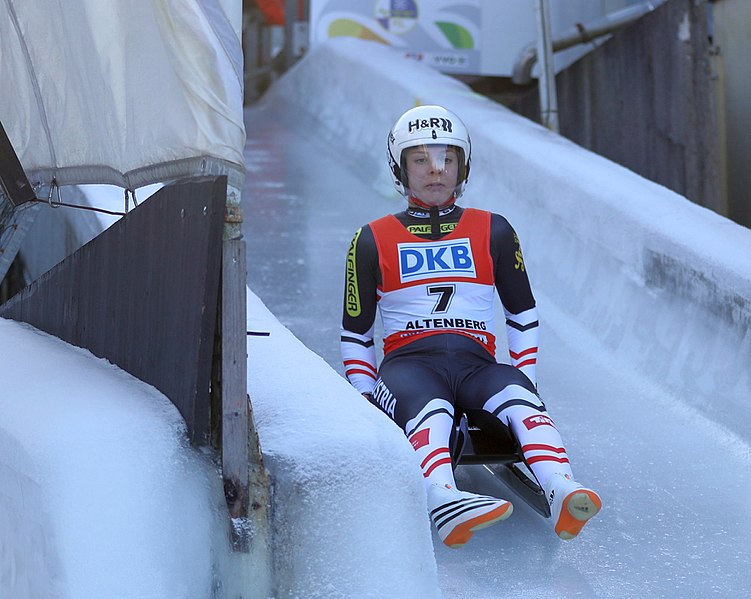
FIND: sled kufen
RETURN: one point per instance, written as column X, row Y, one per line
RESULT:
column 500, row 454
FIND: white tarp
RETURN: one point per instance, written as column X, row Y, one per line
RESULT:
column 126, row 92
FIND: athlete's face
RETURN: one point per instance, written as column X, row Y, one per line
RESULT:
column 432, row 172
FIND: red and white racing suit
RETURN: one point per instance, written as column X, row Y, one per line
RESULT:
column 433, row 276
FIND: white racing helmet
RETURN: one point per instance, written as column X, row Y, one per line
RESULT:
column 427, row 125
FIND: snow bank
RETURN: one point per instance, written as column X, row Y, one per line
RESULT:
column 338, row 465
column 100, row 494
column 632, row 261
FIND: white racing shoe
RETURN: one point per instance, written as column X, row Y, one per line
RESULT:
column 458, row 514
column 571, row 505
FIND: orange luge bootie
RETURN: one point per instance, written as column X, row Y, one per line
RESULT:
column 571, row 505
column 458, row 514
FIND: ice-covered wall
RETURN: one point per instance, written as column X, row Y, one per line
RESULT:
column 659, row 281
column 100, row 493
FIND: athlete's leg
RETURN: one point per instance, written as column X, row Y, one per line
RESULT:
column 505, row 393
column 422, row 406
column 517, row 406
column 419, row 399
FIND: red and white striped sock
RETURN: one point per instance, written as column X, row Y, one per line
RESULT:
column 534, row 429
column 429, row 433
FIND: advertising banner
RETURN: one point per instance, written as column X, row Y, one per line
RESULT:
column 445, row 34
column 462, row 37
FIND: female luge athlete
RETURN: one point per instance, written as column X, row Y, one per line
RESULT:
column 432, row 272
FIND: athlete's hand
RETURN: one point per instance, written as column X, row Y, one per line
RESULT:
column 368, row 396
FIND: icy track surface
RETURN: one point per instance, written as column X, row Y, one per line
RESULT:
column 675, row 486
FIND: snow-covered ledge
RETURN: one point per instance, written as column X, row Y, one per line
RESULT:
column 337, row 465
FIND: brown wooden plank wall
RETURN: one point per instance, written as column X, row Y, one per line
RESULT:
column 143, row 294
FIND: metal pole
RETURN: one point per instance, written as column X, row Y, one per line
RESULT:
column 580, row 34
column 548, row 95
column 290, row 18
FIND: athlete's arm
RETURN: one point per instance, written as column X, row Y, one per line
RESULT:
column 512, row 284
column 360, row 302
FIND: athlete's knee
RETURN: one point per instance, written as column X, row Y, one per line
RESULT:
column 513, row 395
column 434, row 410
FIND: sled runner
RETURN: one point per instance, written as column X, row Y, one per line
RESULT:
column 495, row 448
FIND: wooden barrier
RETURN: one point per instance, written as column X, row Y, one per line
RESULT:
column 145, row 294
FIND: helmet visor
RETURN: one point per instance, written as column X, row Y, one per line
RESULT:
column 428, row 158
column 432, row 171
